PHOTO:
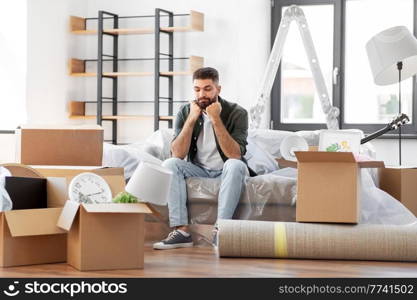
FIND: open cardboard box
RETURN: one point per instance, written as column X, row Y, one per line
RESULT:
column 59, row 178
column 105, row 236
column 328, row 187
column 401, row 183
column 31, row 236
column 59, row 145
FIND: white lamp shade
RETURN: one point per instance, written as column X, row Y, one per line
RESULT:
column 389, row 47
column 150, row 183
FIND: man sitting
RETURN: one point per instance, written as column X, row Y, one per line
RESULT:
column 212, row 133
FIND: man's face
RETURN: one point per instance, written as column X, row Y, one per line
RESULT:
column 206, row 92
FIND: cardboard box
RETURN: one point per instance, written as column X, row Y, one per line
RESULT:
column 59, row 178
column 105, row 236
column 71, row 171
column 57, row 188
column 400, row 183
column 328, row 188
column 30, row 236
column 60, row 145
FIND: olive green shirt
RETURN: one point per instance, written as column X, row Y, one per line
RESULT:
column 234, row 118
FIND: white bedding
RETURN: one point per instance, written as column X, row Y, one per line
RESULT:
column 269, row 196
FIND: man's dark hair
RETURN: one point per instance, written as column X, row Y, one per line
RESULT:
column 206, row 73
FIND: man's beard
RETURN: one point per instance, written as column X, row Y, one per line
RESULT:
column 203, row 102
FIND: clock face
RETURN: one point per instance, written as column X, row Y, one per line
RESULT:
column 89, row 188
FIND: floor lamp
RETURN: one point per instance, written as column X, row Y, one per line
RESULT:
column 392, row 54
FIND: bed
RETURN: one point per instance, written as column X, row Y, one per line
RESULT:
column 270, row 196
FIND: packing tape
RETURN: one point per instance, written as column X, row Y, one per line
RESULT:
column 280, row 240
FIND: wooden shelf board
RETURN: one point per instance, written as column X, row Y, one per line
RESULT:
column 178, row 29
column 83, row 74
column 167, row 117
column 132, row 74
column 127, row 31
column 176, row 73
column 84, row 32
column 123, row 31
column 121, row 117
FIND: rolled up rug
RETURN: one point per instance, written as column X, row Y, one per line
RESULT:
column 241, row 238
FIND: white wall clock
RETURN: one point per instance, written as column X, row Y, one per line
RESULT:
column 88, row 187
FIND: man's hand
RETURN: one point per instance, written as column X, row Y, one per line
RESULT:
column 195, row 111
column 213, row 110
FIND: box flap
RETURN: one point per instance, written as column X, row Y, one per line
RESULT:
column 20, row 170
column 69, row 171
column 283, row 163
column 68, row 215
column 323, row 156
column 57, row 191
column 117, row 208
column 27, row 222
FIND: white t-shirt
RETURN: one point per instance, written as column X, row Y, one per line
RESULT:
column 207, row 154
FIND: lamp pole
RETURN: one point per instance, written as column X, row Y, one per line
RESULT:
column 400, row 67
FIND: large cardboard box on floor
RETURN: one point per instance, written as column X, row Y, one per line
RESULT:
column 328, row 186
column 59, row 145
column 401, row 183
column 31, row 236
column 105, row 236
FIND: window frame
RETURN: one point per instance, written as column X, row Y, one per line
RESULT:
column 408, row 131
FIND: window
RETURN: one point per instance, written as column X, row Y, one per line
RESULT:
column 340, row 30
column 299, row 98
column 13, row 50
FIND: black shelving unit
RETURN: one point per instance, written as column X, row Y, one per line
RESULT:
column 157, row 72
column 100, row 76
column 159, row 98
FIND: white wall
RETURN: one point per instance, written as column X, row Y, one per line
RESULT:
column 235, row 41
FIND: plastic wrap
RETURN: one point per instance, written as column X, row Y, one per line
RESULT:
column 270, row 196
column 129, row 156
column 5, row 201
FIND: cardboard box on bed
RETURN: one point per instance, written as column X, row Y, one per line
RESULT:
column 400, row 183
column 328, row 187
column 105, row 236
column 60, row 145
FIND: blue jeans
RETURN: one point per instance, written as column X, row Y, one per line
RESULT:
column 232, row 176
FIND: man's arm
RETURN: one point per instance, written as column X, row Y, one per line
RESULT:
column 228, row 145
column 181, row 145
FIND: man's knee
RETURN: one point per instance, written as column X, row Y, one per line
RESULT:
column 172, row 163
column 235, row 166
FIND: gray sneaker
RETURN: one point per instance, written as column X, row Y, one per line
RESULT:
column 175, row 239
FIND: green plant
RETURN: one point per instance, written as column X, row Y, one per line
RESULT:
column 125, row 197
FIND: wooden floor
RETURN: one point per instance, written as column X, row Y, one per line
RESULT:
column 202, row 261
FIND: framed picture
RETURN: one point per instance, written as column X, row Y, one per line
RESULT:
column 340, row 141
